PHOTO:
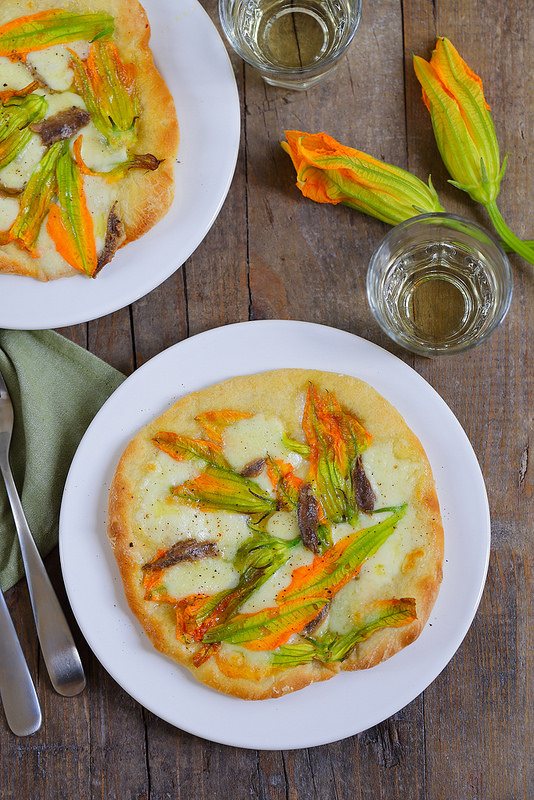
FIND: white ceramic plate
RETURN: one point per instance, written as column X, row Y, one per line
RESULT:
column 321, row 713
column 192, row 58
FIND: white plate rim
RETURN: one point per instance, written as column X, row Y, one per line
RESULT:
column 195, row 63
column 310, row 717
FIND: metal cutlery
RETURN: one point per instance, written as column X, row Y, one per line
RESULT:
column 57, row 644
column 17, row 691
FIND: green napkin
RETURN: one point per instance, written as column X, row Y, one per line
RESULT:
column 56, row 388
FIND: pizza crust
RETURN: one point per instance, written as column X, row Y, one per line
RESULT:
column 234, row 670
column 143, row 197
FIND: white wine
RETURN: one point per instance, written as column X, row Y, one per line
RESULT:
column 439, row 284
column 291, row 41
column 440, row 294
column 291, row 35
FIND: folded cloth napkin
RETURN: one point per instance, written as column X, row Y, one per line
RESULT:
column 56, row 388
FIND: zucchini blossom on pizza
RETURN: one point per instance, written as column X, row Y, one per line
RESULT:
column 88, row 135
column 276, row 529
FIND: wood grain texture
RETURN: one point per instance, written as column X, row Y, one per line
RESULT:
column 273, row 254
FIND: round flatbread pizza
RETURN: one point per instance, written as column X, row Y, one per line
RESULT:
column 277, row 528
column 88, row 135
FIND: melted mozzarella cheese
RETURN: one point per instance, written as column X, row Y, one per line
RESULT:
column 97, row 154
column 61, row 101
column 392, row 474
column 9, row 208
column 205, row 576
column 256, row 437
column 52, row 64
column 283, row 525
column 17, row 174
column 13, row 74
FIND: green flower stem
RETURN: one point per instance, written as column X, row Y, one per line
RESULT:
column 525, row 249
column 508, row 249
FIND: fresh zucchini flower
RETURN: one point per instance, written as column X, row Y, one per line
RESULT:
column 329, row 172
column 465, row 133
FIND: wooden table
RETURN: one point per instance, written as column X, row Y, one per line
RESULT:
column 271, row 254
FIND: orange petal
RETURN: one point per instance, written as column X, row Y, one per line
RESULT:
column 214, row 422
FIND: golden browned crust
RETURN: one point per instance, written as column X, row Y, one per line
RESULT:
column 144, row 197
column 280, row 393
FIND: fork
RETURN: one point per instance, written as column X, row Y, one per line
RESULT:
column 57, row 644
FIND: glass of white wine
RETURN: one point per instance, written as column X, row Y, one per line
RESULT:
column 439, row 284
column 293, row 43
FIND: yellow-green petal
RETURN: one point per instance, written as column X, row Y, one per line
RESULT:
column 461, row 120
column 329, row 172
column 47, row 28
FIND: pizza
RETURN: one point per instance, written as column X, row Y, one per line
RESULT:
column 277, row 528
column 88, row 135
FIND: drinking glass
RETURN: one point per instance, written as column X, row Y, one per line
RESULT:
column 293, row 43
column 438, row 284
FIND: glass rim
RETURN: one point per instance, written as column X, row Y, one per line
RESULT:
column 287, row 72
column 436, row 216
